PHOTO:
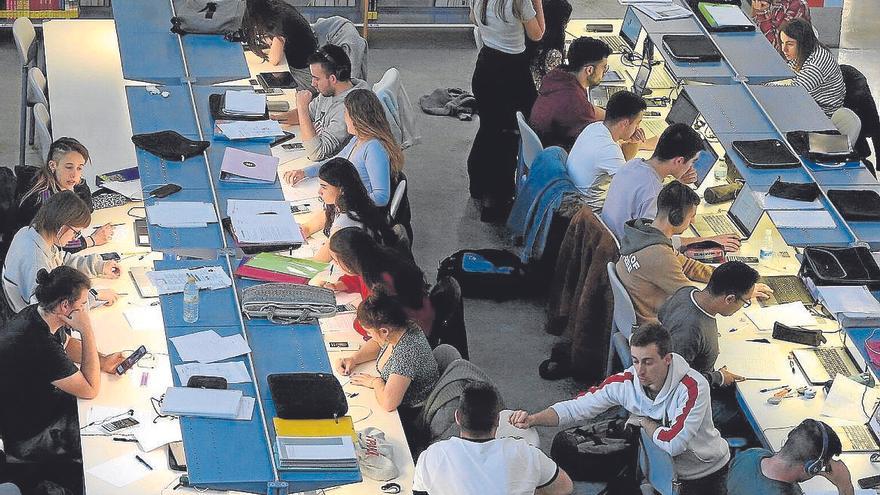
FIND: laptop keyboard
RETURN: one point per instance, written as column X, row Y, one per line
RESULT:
column 859, row 437
column 660, row 78
column 719, row 224
column 616, row 43
column 653, row 127
column 831, row 361
column 787, row 289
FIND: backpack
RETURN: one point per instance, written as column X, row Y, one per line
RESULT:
column 207, row 16
column 486, row 273
column 598, row 451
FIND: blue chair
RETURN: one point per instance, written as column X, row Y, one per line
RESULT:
column 529, row 148
column 623, row 322
column 657, row 466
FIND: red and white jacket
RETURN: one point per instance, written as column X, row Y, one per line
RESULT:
column 683, row 408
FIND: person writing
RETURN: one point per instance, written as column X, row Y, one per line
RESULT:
column 290, row 35
column 38, row 246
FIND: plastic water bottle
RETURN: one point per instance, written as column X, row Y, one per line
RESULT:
column 720, row 171
column 190, row 300
column 765, row 255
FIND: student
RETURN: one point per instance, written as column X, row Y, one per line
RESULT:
column 807, row 452
column 562, row 109
column 650, row 269
column 690, row 314
column 38, row 246
column 666, row 398
column 502, row 85
column 289, row 33
column 634, row 189
column 404, row 361
column 769, row 15
column 346, row 204
column 61, row 172
column 814, row 66
column 597, row 155
column 368, row 266
column 38, row 376
column 477, row 462
column 321, row 121
column 374, row 152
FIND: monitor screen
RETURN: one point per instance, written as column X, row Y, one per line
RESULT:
column 631, row 28
column 683, row 111
column 746, row 210
column 705, row 161
column 640, row 85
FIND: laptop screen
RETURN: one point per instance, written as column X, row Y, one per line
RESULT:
column 631, row 28
column 746, row 210
column 683, row 111
column 641, row 82
column 874, row 422
column 705, row 161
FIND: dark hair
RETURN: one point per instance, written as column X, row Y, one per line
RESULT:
column 63, row 283
column 652, row 333
column 732, row 278
column 804, row 443
column 63, row 209
column 44, row 179
column 478, row 407
column 361, row 253
column 674, row 199
column 353, row 200
column 382, row 310
column 334, row 60
column 586, row 51
column 678, row 140
column 800, row 30
column 264, row 18
column 624, row 105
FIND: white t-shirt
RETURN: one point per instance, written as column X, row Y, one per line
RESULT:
column 509, row 36
column 594, row 159
column 342, row 221
column 633, row 194
column 505, row 466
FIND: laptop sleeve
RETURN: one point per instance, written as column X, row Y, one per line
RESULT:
column 691, row 48
column 307, row 395
column 856, row 205
column 766, row 154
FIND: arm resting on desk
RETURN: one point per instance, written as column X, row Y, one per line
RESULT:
column 390, row 395
column 276, row 51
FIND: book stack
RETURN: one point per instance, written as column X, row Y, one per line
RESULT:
column 244, row 103
column 271, row 267
column 316, row 453
column 259, row 226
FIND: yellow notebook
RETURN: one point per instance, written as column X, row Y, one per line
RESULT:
column 314, row 427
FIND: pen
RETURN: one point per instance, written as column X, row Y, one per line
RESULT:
column 142, row 461
column 124, row 439
column 116, row 224
column 761, row 379
column 773, row 388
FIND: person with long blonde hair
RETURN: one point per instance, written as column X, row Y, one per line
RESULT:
column 373, row 150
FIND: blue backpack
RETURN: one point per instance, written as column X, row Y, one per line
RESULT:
column 486, row 273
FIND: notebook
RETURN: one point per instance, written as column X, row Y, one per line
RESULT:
column 691, row 48
column 244, row 166
column 202, row 402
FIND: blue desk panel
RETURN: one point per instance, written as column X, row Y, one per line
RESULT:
column 752, row 56
column 729, row 109
column 175, row 239
column 212, row 59
column 190, row 173
column 846, row 175
column 152, row 113
column 759, row 178
column 792, row 108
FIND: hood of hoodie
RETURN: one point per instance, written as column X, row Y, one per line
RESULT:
column 558, row 80
column 677, row 369
column 639, row 234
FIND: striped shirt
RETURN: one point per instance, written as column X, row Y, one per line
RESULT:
column 821, row 77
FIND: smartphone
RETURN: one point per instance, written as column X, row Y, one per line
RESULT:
column 293, row 146
column 346, row 308
column 110, row 256
column 283, row 139
column 166, row 190
column 131, row 360
column 277, row 106
column 869, row 482
column 141, row 235
column 338, row 344
column 119, row 424
column 176, row 456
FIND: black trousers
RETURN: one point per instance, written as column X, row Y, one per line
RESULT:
column 502, row 85
column 713, row 484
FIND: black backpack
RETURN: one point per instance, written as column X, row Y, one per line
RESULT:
column 602, row 450
column 486, row 273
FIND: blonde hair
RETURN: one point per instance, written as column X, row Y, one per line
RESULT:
column 45, row 179
column 368, row 116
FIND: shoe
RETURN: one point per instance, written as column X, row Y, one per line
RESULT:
column 493, row 211
column 553, row 370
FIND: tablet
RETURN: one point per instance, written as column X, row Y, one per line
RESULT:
column 280, row 80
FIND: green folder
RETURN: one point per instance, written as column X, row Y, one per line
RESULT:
column 706, row 9
column 287, row 265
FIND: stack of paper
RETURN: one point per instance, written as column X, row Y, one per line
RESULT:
column 202, row 402
column 792, row 314
column 181, row 214
column 244, row 166
column 724, row 15
column 123, row 470
column 793, row 219
column 314, row 427
column 208, row 347
column 664, row 12
column 248, row 129
column 852, row 301
column 263, row 222
column 245, row 103
column 144, row 318
column 171, row 281
column 316, row 453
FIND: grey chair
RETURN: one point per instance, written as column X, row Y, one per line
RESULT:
column 24, row 35
column 623, row 322
column 37, row 93
column 43, row 129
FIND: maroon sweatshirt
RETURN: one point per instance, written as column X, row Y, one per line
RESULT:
column 562, row 110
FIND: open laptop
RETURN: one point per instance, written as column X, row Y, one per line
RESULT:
column 142, row 282
column 629, row 34
column 683, row 111
column 741, row 219
column 861, row 438
column 601, row 94
column 786, row 289
column 705, row 161
column 821, row 364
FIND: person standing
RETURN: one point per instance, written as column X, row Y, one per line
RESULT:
column 502, row 85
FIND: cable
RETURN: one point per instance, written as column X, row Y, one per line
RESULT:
column 369, row 412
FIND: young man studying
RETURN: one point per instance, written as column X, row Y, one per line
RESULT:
column 562, row 108
column 665, row 397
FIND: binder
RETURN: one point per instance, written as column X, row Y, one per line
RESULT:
column 315, row 427
column 254, row 273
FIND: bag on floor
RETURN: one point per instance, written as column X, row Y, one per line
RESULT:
column 598, row 451
column 207, row 16
column 486, row 273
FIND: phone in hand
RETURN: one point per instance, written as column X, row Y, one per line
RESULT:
column 131, row 360
column 166, row 190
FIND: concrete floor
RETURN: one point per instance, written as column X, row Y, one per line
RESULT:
column 506, row 339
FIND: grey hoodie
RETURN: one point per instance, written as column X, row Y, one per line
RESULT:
column 328, row 116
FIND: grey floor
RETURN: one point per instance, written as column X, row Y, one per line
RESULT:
column 506, row 339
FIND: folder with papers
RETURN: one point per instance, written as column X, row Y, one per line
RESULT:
column 201, row 402
column 244, row 103
column 316, row 453
column 244, row 166
column 315, row 427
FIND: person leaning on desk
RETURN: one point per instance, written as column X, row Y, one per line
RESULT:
column 39, row 245
column 38, row 377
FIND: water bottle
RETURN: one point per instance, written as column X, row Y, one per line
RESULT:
column 190, row 300
column 765, row 255
column 720, row 170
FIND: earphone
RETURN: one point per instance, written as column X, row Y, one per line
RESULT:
column 676, row 216
column 815, row 466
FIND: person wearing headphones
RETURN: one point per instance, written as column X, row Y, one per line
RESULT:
column 807, row 452
column 650, row 268
column 321, row 119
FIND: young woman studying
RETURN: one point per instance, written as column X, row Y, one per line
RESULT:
column 814, row 66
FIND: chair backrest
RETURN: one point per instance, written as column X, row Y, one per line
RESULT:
column 448, row 326
column 530, row 144
column 9, row 489
column 399, row 191
column 444, row 354
column 478, row 40
column 624, row 313
column 43, row 127
column 24, row 34
column 657, row 466
column 37, row 87
column 848, row 123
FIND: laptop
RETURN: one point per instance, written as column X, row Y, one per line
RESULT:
column 142, row 282
column 861, row 438
column 705, row 161
column 683, row 111
column 640, row 83
column 828, row 144
column 741, row 219
column 821, row 364
column 786, row 289
column 629, row 34
column 691, row 48
column 601, row 94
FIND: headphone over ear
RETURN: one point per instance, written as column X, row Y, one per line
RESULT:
column 815, row 466
column 676, row 216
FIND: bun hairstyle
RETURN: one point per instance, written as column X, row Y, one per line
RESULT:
column 61, row 284
column 381, row 310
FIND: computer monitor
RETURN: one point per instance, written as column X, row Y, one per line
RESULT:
column 705, row 161
column 683, row 111
column 640, row 84
column 631, row 28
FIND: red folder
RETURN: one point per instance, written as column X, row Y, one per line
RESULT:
column 244, row 271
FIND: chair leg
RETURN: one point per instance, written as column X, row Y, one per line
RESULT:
column 22, row 123
column 31, row 126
